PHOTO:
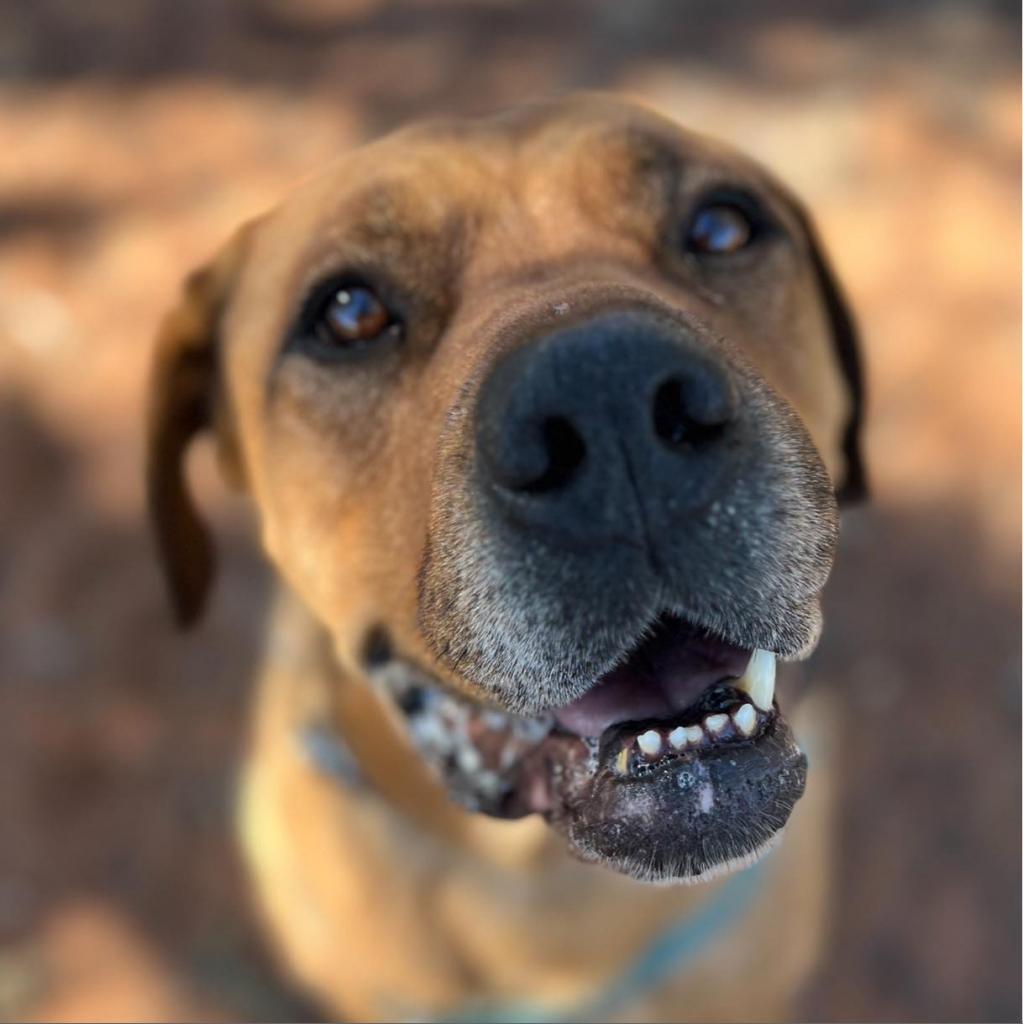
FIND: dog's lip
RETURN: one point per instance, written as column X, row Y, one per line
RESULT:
column 685, row 817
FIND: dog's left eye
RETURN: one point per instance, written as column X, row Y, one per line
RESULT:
column 719, row 227
column 351, row 315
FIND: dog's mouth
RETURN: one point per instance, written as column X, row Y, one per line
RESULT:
column 675, row 765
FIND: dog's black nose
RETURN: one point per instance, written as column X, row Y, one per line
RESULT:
column 593, row 428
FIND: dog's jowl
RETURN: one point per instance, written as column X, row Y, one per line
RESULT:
column 547, row 418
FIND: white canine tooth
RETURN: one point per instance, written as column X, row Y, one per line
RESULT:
column 649, row 742
column 758, row 679
column 715, row 723
column 745, row 719
column 694, row 734
column 677, row 737
column 622, row 761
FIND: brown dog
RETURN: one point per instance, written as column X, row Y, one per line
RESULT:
column 544, row 417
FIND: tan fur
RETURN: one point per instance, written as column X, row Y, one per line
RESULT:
column 386, row 901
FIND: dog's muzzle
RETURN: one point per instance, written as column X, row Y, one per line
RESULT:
column 628, row 526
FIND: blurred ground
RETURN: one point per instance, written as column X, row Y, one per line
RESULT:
column 135, row 135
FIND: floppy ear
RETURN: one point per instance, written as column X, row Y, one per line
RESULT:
column 182, row 402
column 845, row 336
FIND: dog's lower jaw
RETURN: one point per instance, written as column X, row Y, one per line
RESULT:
column 677, row 798
column 689, row 820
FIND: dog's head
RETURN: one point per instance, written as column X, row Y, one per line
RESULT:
column 545, row 417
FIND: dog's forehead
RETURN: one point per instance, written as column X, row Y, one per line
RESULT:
column 586, row 125
column 566, row 158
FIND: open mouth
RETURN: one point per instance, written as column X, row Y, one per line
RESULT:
column 675, row 765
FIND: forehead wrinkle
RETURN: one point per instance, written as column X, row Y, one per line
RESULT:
column 400, row 223
column 646, row 156
column 583, row 188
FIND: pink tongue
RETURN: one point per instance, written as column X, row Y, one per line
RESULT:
column 662, row 677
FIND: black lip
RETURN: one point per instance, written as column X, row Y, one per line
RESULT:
column 690, row 816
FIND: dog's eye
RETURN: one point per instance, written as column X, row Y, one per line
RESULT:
column 719, row 227
column 352, row 315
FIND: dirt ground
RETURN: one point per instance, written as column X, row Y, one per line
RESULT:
column 135, row 135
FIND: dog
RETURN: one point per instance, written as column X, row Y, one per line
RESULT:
column 547, row 418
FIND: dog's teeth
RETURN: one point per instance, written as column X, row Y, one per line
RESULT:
column 694, row 734
column 649, row 742
column 469, row 760
column 715, row 723
column 622, row 761
column 677, row 737
column 758, row 679
column 745, row 719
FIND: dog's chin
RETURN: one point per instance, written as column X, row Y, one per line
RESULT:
column 676, row 766
column 685, row 818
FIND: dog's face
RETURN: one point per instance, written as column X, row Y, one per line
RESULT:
column 544, row 416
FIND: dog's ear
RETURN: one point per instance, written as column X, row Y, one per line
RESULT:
column 852, row 487
column 183, row 400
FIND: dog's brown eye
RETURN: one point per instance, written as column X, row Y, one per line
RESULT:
column 719, row 228
column 352, row 315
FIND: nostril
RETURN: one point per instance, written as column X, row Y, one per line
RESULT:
column 685, row 416
column 565, row 452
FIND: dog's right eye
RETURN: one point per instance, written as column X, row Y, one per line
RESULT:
column 719, row 228
column 725, row 223
column 343, row 317
column 350, row 316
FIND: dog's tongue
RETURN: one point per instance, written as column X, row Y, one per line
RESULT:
column 665, row 674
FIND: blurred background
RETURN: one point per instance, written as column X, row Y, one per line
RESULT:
column 135, row 134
